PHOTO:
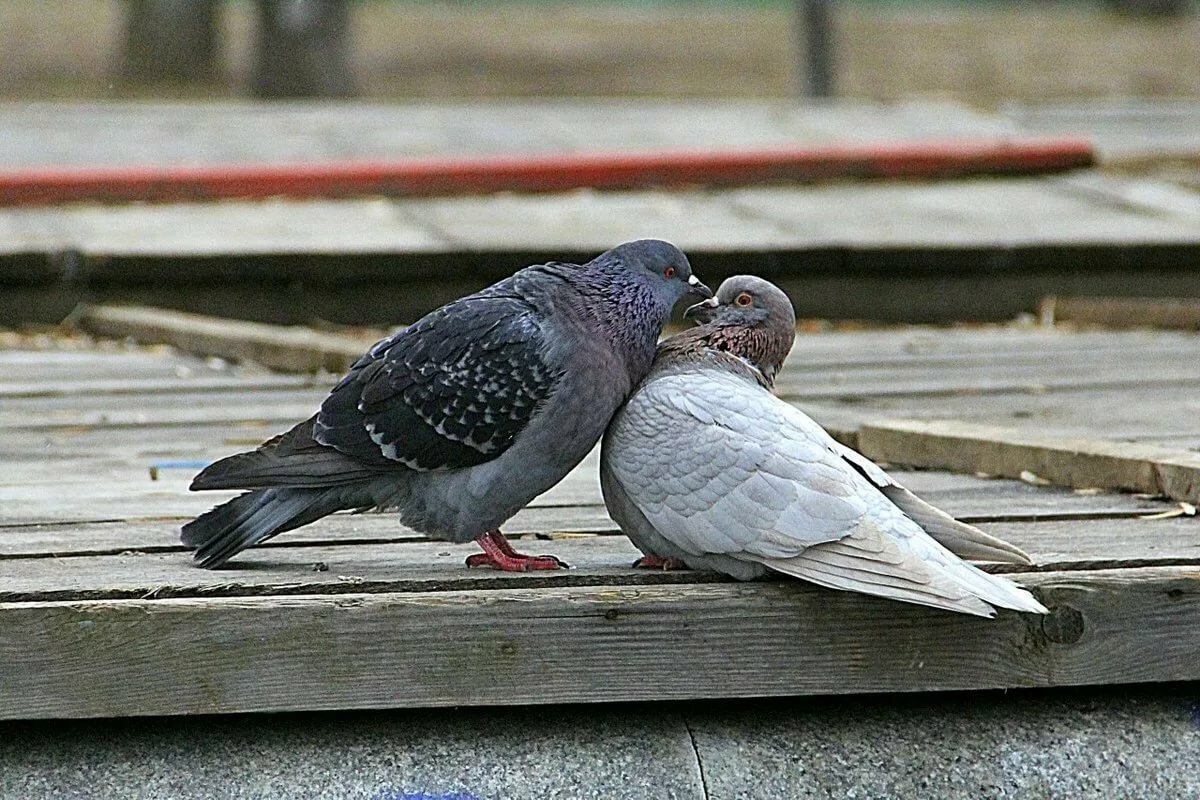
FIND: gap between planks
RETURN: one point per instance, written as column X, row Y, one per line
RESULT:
column 421, row 565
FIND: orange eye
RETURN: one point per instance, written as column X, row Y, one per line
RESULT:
column 744, row 299
column 669, row 272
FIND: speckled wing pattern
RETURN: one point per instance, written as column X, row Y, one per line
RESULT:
column 452, row 390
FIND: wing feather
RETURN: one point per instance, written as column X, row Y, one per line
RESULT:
column 452, row 390
column 730, row 470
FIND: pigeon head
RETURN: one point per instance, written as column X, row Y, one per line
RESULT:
column 749, row 318
column 660, row 268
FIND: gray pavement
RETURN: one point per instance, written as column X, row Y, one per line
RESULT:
column 1118, row 742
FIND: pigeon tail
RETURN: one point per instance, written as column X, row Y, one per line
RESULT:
column 293, row 459
column 248, row 519
column 917, row 570
column 965, row 541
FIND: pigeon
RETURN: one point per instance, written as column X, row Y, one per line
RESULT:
column 704, row 468
column 460, row 419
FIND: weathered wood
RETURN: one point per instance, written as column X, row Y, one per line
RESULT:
column 357, row 611
column 1164, row 370
column 288, row 349
column 579, row 644
column 1123, row 312
column 1159, row 412
column 88, row 495
column 148, row 535
column 188, row 382
column 134, row 558
column 1011, row 452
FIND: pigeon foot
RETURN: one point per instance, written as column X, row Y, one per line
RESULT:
column 499, row 554
column 659, row 562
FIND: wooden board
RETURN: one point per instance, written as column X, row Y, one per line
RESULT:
column 81, row 658
column 1078, row 462
column 102, row 613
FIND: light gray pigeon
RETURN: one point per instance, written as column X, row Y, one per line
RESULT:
column 704, row 467
column 463, row 417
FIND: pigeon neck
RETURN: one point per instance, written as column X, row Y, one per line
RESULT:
column 630, row 316
column 750, row 351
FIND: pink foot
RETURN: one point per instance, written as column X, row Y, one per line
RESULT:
column 499, row 554
column 659, row 562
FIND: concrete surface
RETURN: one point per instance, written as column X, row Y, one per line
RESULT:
column 1116, row 743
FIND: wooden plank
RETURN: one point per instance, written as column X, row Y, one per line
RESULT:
column 1010, row 452
column 377, row 548
column 1173, row 370
column 171, row 414
column 524, row 174
column 119, row 133
column 64, row 445
column 103, row 361
column 62, row 539
column 988, row 344
column 1151, row 197
column 292, row 349
column 87, row 501
column 1158, row 412
column 1123, row 312
column 95, row 387
column 579, row 644
column 79, row 497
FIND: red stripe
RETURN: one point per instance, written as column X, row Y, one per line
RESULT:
column 544, row 173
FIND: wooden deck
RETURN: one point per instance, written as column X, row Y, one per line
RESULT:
column 984, row 248
column 101, row 613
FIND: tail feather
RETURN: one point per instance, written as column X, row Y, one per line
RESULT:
column 914, row 569
column 293, row 458
column 254, row 517
column 965, row 541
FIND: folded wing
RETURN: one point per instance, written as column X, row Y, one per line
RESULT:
column 718, row 466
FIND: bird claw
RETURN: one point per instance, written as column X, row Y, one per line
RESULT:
column 518, row 562
column 659, row 562
column 498, row 553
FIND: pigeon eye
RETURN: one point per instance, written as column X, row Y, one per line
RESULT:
column 669, row 272
column 744, row 299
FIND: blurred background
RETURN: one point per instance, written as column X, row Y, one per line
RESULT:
column 983, row 52
column 256, row 94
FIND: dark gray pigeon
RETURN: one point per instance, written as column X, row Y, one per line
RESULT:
column 703, row 467
column 462, row 418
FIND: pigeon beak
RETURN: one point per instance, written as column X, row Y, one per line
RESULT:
column 697, row 288
column 703, row 311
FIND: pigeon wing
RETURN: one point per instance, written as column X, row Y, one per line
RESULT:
column 719, row 466
column 712, row 465
column 452, row 390
column 965, row 541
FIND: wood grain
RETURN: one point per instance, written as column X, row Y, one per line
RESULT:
column 579, row 644
column 1010, row 452
column 394, row 559
column 293, row 349
column 102, row 614
column 47, row 494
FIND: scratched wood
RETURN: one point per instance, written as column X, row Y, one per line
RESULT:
column 294, row 566
column 43, row 495
column 103, row 614
column 1086, row 534
column 579, row 644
